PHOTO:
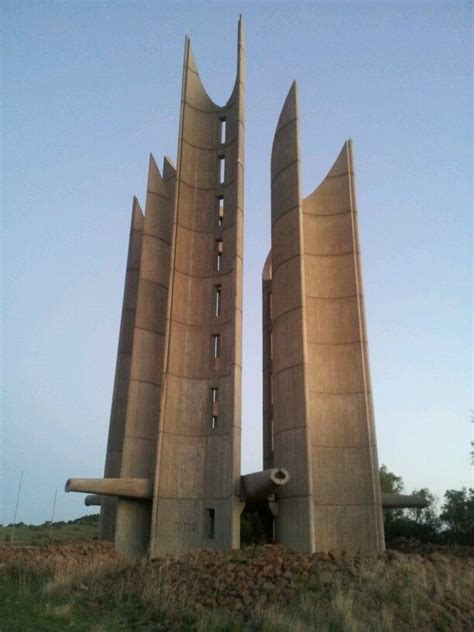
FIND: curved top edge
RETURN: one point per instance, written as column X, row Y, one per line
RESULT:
column 267, row 268
column 342, row 165
column 289, row 113
column 290, row 109
column 190, row 65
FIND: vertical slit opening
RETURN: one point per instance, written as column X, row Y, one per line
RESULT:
column 220, row 248
column 221, row 169
column 220, row 213
column 216, row 345
column 215, row 394
column 217, row 300
column 214, row 422
column 223, row 130
column 210, row 520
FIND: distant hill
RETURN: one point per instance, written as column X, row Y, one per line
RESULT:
column 83, row 528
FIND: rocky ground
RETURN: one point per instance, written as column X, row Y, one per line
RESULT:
column 264, row 587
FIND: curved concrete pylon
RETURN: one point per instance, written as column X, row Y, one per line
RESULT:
column 132, row 531
column 291, row 439
column 346, row 484
column 197, row 481
column 320, row 396
column 113, row 459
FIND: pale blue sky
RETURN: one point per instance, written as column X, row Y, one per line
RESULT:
column 90, row 88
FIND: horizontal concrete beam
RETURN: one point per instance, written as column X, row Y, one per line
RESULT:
column 261, row 485
column 403, row 501
column 93, row 500
column 138, row 488
column 256, row 486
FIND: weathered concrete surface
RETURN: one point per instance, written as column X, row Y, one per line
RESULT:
column 291, row 427
column 197, row 483
column 323, row 426
column 346, row 483
column 138, row 488
column 113, row 459
column 132, row 533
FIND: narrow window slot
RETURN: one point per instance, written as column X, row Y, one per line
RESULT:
column 221, row 169
column 217, row 304
column 220, row 215
column 215, row 394
column 214, row 422
column 223, row 130
column 219, row 247
column 210, row 520
column 216, row 345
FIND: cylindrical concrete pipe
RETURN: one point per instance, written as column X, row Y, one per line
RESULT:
column 261, row 485
column 93, row 500
column 402, row 501
column 139, row 488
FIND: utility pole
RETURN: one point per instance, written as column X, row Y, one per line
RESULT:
column 52, row 514
column 12, row 535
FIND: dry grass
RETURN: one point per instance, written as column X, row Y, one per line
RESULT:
column 230, row 591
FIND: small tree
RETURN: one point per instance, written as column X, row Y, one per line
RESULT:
column 422, row 524
column 390, row 483
column 457, row 515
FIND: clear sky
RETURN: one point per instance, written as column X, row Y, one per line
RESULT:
column 90, row 88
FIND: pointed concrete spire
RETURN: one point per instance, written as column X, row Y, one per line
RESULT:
column 290, row 109
column 342, row 165
column 169, row 169
column 190, row 61
column 155, row 181
column 138, row 219
column 240, row 48
column 285, row 169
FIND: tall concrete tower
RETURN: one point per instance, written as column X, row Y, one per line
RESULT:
column 318, row 412
column 172, row 474
column 196, row 499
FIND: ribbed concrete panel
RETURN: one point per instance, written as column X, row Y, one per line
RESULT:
column 346, row 489
column 317, row 406
column 291, row 440
column 197, row 481
column 146, row 366
column 113, row 459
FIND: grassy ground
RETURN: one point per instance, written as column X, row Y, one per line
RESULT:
column 86, row 586
column 84, row 528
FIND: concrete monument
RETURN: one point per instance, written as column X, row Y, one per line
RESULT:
column 172, row 478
